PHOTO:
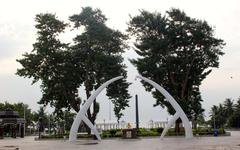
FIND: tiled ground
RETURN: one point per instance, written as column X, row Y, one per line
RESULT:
column 173, row 143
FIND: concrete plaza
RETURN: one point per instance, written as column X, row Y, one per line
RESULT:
column 169, row 143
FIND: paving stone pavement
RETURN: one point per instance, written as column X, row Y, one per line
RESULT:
column 169, row 143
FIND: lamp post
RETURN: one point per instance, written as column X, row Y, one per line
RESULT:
column 137, row 115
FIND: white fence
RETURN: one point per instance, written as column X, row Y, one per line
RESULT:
column 123, row 124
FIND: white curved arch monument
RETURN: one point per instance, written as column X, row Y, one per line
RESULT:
column 81, row 116
column 179, row 112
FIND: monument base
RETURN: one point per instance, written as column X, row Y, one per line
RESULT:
column 129, row 133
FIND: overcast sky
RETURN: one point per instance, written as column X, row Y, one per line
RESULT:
column 17, row 34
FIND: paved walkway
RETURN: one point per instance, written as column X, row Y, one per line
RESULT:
column 172, row 143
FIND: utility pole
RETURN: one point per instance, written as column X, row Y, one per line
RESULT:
column 137, row 115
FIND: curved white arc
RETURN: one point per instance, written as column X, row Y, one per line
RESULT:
column 95, row 94
column 85, row 107
column 170, row 123
column 89, row 123
column 175, row 105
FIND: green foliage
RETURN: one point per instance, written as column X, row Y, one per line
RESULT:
column 158, row 130
column 41, row 118
column 208, row 131
column 119, row 133
column 93, row 58
column 226, row 114
column 147, row 132
column 218, row 116
column 51, row 63
column 105, row 134
column 221, row 131
column 140, row 132
column 177, row 52
column 99, row 50
column 234, row 119
column 228, row 107
column 113, row 132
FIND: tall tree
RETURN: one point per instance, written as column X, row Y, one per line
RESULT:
column 234, row 120
column 228, row 108
column 51, row 63
column 218, row 117
column 41, row 118
column 93, row 58
column 98, row 49
column 237, row 105
column 177, row 52
column 196, row 108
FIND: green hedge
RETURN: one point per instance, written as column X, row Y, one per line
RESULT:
column 147, row 132
column 111, row 133
column 61, row 136
column 141, row 132
column 198, row 131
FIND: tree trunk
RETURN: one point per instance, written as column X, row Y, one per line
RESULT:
column 194, row 123
column 177, row 126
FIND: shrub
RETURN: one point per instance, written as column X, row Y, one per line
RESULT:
column 221, row 131
column 112, row 132
column 159, row 130
column 119, row 134
column 147, row 132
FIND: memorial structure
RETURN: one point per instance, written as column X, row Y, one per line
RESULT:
column 81, row 116
column 179, row 112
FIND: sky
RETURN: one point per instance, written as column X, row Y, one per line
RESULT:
column 17, row 34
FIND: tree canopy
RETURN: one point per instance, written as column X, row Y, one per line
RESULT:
column 227, row 114
column 91, row 59
column 176, row 51
column 98, row 49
